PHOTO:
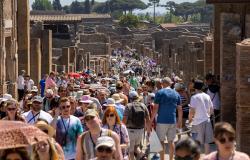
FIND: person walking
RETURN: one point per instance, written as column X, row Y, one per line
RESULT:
column 224, row 135
column 87, row 142
column 36, row 112
column 67, row 127
column 20, row 85
column 201, row 108
column 135, row 116
column 166, row 102
column 12, row 111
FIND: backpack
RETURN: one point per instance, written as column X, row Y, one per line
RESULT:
column 137, row 114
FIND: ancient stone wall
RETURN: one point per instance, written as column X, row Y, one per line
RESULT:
column 242, row 95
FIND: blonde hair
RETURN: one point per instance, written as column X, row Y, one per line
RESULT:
column 52, row 151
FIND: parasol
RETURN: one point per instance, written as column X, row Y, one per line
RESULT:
column 14, row 134
column 75, row 75
column 128, row 71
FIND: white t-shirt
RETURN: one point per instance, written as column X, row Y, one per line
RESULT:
column 202, row 103
column 29, row 84
column 20, row 82
column 215, row 99
column 31, row 119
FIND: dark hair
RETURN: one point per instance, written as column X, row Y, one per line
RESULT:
column 222, row 128
column 189, row 145
column 21, row 151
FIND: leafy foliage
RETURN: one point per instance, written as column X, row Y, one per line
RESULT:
column 129, row 20
column 57, row 5
column 42, row 5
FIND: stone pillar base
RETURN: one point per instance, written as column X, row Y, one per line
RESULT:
column 3, row 89
column 12, row 89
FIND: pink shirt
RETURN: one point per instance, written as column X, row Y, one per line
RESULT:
column 237, row 156
column 50, row 83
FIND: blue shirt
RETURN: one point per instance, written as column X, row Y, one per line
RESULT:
column 67, row 131
column 167, row 99
column 42, row 85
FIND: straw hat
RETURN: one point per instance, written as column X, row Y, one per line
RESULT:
column 44, row 126
column 117, row 98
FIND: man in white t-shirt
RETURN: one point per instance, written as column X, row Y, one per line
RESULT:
column 20, row 85
column 36, row 112
column 201, row 107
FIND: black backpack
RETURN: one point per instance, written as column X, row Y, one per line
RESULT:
column 137, row 114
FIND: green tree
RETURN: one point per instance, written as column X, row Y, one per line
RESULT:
column 66, row 9
column 57, row 5
column 87, row 7
column 41, row 5
column 77, row 7
column 129, row 20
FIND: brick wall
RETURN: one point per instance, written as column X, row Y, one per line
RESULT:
column 242, row 96
column 230, row 35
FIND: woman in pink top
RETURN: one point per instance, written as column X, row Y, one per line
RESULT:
column 50, row 83
column 224, row 135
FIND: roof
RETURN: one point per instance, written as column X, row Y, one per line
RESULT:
column 228, row 1
column 168, row 25
column 67, row 17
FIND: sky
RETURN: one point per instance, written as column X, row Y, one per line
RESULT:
column 159, row 10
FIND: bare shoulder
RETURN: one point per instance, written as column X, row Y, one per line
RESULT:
column 211, row 156
column 241, row 156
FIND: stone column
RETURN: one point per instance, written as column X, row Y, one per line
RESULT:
column 242, row 95
column 54, row 67
column 216, row 42
column 88, row 59
column 72, row 52
column 23, row 35
column 65, row 58
column 230, row 24
column 208, row 45
column 46, row 51
column 35, row 60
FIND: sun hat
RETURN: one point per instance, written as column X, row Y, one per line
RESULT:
column 85, row 99
column 117, row 98
column 41, row 124
column 37, row 99
column 91, row 112
column 7, row 96
column 109, row 102
column 34, row 89
column 133, row 94
column 167, row 80
column 105, row 141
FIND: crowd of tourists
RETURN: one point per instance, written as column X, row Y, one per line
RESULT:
column 105, row 117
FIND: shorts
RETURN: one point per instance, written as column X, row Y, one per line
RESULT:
column 203, row 132
column 163, row 130
column 135, row 138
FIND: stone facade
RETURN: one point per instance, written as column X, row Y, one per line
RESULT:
column 8, row 47
column 242, row 95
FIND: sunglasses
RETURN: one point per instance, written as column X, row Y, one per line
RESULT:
column 224, row 140
column 104, row 149
column 64, row 107
column 111, row 115
column 45, row 131
column 11, row 109
column 88, row 118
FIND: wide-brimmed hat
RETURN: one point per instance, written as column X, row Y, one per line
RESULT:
column 7, row 96
column 34, row 89
column 85, row 99
column 86, row 92
column 167, row 80
column 91, row 112
column 105, row 141
column 44, row 126
column 117, row 98
column 109, row 102
column 37, row 99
